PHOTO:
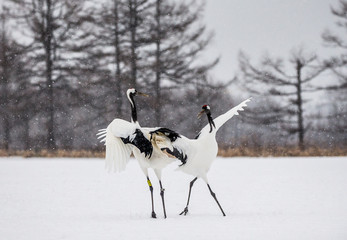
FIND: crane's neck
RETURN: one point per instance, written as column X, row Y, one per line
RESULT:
column 133, row 108
column 210, row 121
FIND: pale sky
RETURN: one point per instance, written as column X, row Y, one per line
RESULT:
column 260, row 26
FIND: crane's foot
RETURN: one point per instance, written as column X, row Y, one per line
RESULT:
column 185, row 211
column 154, row 215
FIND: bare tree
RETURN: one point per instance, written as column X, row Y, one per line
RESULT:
column 338, row 64
column 337, row 91
column 284, row 90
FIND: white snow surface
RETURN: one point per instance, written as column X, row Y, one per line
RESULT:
column 264, row 198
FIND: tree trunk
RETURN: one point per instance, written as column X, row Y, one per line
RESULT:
column 26, row 137
column 158, row 66
column 301, row 131
column 118, row 79
column 5, row 78
column 6, row 120
column 133, row 43
column 49, row 82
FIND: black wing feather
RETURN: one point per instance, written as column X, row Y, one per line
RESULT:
column 177, row 154
column 141, row 142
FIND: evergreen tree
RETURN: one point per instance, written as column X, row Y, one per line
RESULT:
column 56, row 49
column 15, row 90
column 179, row 38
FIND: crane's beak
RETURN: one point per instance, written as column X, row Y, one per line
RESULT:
column 201, row 113
column 142, row 94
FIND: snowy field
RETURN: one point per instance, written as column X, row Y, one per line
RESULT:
column 264, row 198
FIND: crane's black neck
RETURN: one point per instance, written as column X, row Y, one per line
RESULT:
column 210, row 121
column 133, row 108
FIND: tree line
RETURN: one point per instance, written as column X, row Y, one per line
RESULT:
column 285, row 89
column 65, row 66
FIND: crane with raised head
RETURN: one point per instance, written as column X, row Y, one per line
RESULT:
column 196, row 154
column 123, row 138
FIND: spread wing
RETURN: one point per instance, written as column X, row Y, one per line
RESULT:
column 117, row 152
column 219, row 121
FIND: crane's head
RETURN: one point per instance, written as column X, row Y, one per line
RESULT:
column 205, row 109
column 134, row 92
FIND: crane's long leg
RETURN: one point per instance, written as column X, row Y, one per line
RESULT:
column 215, row 198
column 162, row 197
column 151, row 189
column 185, row 211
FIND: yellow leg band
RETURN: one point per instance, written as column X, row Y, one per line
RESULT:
column 149, row 183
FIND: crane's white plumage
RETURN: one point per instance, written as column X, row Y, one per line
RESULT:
column 122, row 137
column 202, row 151
column 157, row 147
column 117, row 153
column 197, row 154
column 219, row 121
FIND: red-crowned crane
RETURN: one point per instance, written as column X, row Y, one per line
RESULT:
column 196, row 154
column 122, row 137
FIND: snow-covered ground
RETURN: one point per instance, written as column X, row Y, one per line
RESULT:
column 264, row 198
